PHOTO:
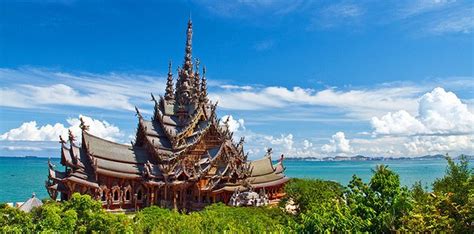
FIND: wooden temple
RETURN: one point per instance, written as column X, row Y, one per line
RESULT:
column 183, row 158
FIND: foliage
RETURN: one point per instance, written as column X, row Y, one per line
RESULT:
column 329, row 216
column 158, row 220
column 215, row 218
column 222, row 218
column 381, row 203
column 426, row 215
column 457, row 181
column 13, row 220
column 308, row 192
column 457, row 186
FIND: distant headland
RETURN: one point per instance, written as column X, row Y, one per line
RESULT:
column 376, row 158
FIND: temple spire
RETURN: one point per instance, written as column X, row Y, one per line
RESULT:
column 203, row 96
column 169, row 95
column 196, row 83
column 188, row 63
column 184, row 85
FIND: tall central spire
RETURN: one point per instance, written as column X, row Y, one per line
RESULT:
column 188, row 63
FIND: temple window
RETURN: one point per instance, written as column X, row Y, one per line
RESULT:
column 103, row 196
column 127, row 195
column 139, row 195
column 116, row 195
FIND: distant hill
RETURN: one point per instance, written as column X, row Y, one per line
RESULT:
column 379, row 158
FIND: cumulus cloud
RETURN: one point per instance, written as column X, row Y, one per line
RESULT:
column 307, row 144
column 235, row 125
column 338, row 144
column 439, row 112
column 400, row 122
column 284, row 142
column 420, row 145
column 30, row 131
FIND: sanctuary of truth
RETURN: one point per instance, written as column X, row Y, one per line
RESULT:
column 183, row 158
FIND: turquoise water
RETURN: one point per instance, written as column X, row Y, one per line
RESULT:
column 19, row 177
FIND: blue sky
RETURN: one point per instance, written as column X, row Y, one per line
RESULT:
column 308, row 78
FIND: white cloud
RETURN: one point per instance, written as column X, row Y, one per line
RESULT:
column 400, row 122
column 439, row 112
column 235, row 125
column 110, row 91
column 60, row 94
column 358, row 103
column 284, row 142
column 100, row 128
column 420, row 145
column 307, row 144
column 338, row 144
column 392, row 145
column 30, row 131
column 237, row 87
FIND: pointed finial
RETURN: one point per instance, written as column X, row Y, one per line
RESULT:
column 203, row 98
column 138, row 112
column 61, row 140
column 169, row 92
column 72, row 138
column 83, row 125
column 170, row 63
column 197, row 65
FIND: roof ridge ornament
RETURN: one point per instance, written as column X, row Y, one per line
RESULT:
column 83, row 125
column 138, row 113
column 61, row 140
column 71, row 137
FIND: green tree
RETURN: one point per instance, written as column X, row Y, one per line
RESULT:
column 382, row 202
column 425, row 215
column 457, row 186
column 307, row 192
column 456, row 181
column 47, row 217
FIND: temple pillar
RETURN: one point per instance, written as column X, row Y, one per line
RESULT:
column 166, row 193
column 174, row 200
column 199, row 196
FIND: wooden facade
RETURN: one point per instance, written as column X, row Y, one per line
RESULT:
column 183, row 158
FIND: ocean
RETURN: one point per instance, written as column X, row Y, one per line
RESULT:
column 20, row 177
